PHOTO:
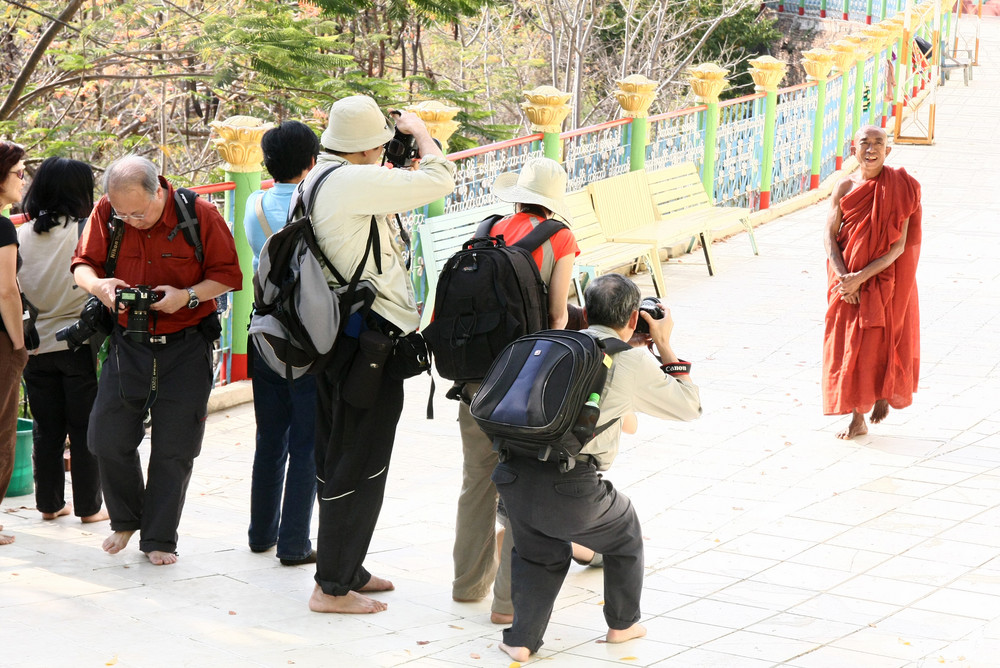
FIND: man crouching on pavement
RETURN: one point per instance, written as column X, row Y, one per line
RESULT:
column 581, row 507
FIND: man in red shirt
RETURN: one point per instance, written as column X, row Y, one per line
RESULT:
column 166, row 369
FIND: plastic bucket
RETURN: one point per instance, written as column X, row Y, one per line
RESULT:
column 22, row 480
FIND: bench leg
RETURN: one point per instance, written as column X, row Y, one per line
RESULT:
column 753, row 239
column 706, row 247
column 652, row 260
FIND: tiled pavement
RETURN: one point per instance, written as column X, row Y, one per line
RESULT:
column 768, row 541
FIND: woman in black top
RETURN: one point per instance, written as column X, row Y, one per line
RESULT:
column 13, row 355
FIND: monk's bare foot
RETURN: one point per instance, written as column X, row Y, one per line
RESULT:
column 352, row 604
column 623, row 635
column 880, row 410
column 377, row 584
column 519, row 654
column 500, row 618
column 117, row 541
column 99, row 516
column 158, row 558
column 5, row 539
column 858, row 427
column 65, row 510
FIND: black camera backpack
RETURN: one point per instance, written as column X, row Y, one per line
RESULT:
column 531, row 399
column 488, row 295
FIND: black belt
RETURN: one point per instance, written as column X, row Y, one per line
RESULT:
column 159, row 340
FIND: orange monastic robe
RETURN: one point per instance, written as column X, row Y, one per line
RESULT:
column 871, row 350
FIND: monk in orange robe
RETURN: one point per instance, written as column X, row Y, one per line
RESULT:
column 871, row 347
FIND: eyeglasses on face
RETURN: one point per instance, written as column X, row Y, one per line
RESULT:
column 19, row 173
column 133, row 216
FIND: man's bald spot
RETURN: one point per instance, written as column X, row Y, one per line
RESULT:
column 865, row 129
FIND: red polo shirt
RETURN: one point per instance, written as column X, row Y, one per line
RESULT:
column 148, row 258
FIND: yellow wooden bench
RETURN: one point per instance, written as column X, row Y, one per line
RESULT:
column 662, row 208
column 678, row 192
column 598, row 255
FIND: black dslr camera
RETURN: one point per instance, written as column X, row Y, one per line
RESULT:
column 94, row 318
column 401, row 150
column 137, row 300
column 650, row 305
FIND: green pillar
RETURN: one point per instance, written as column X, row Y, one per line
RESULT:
column 843, row 55
column 818, row 63
column 635, row 93
column 767, row 73
column 239, row 145
column 637, row 147
column 552, row 146
column 859, row 93
column 707, row 81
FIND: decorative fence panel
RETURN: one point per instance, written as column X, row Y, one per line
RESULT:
column 676, row 138
column 222, row 355
column 595, row 153
column 740, row 147
column 476, row 169
column 792, row 144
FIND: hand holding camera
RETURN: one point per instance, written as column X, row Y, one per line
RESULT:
column 411, row 141
column 655, row 327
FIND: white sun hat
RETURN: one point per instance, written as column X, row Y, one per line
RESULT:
column 356, row 124
column 541, row 181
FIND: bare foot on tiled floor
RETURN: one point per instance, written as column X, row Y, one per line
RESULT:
column 377, row 584
column 65, row 510
column 353, row 603
column 5, row 539
column 117, row 541
column 158, row 558
column 520, row 654
column 858, row 427
column 623, row 635
column 880, row 410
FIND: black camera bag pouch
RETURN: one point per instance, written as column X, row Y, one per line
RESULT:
column 360, row 388
column 409, row 358
column 28, row 318
column 210, row 327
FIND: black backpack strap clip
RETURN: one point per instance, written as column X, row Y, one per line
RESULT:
column 187, row 221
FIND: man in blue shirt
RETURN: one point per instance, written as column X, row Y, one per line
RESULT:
column 286, row 414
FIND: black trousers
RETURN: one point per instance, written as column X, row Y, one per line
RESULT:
column 184, row 372
column 353, row 447
column 62, row 386
column 547, row 511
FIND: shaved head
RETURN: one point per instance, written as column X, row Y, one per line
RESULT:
column 865, row 129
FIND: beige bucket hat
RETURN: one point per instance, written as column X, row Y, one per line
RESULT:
column 356, row 124
column 541, row 181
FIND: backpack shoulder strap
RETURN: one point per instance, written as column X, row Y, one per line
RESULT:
column 305, row 194
column 187, row 221
column 542, row 232
column 258, row 210
column 614, row 345
column 483, row 230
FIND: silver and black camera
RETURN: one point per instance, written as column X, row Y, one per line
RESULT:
column 650, row 305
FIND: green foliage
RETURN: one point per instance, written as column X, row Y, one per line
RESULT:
column 750, row 31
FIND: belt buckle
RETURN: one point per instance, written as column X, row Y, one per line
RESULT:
column 161, row 339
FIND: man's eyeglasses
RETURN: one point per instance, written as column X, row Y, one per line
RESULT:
column 19, row 173
column 125, row 216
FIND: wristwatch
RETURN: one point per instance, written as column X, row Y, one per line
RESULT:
column 193, row 300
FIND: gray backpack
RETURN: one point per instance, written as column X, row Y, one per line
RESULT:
column 297, row 316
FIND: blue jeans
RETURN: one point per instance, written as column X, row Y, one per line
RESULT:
column 286, row 417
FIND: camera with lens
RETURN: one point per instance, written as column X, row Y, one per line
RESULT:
column 650, row 305
column 401, row 150
column 94, row 318
column 137, row 300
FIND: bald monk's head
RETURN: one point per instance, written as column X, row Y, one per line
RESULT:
column 871, row 146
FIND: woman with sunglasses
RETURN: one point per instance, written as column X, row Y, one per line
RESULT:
column 60, row 379
column 13, row 355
